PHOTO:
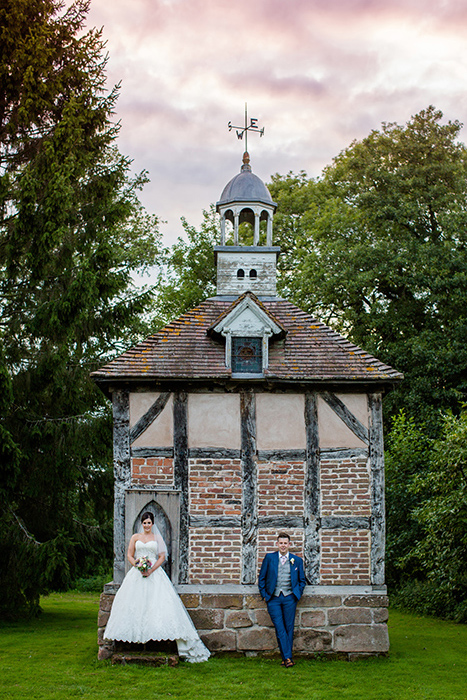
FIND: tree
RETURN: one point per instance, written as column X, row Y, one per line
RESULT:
column 427, row 517
column 407, row 458
column 380, row 251
column 72, row 235
column 188, row 273
column 442, row 550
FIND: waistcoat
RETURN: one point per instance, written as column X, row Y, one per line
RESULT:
column 283, row 584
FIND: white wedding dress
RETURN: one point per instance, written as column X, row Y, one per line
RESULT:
column 149, row 608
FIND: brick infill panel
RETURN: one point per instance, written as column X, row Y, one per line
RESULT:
column 345, row 557
column 280, row 488
column 215, row 554
column 215, row 487
column 345, row 488
column 152, row 472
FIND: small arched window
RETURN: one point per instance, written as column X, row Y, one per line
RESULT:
column 253, row 274
column 240, row 273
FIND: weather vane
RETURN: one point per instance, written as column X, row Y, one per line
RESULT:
column 252, row 126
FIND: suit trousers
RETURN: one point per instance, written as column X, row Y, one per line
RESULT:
column 281, row 610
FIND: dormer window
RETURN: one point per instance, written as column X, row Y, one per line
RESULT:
column 253, row 274
column 240, row 274
column 247, row 328
column 247, row 355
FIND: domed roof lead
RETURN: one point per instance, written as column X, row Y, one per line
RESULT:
column 245, row 187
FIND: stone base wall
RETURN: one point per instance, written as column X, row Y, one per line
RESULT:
column 347, row 621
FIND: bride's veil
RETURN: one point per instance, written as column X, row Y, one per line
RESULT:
column 161, row 545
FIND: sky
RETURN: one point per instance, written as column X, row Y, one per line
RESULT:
column 317, row 74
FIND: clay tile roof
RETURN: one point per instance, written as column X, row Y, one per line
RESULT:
column 183, row 350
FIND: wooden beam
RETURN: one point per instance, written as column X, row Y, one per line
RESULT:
column 180, row 430
column 150, row 416
column 311, row 496
column 281, row 455
column 214, row 453
column 227, row 521
column 346, row 416
column 122, row 476
column 344, row 453
column 344, row 522
column 281, row 522
column 378, row 527
column 249, row 487
column 144, row 452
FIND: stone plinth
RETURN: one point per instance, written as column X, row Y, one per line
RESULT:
column 124, row 659
column 344, row 621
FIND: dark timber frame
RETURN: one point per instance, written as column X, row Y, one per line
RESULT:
column 378, row 530
column 122, row 476
column 249, row 486
column 249, row 522
column 312, row 490
column 180, row 417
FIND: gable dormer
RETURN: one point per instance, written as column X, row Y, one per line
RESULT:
column 247, row 328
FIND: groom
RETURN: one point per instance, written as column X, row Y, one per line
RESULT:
column 281, row 582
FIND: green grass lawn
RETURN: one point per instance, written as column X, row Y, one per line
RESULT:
column 54, row 657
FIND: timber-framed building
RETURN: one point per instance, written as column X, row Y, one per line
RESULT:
column 243, row 417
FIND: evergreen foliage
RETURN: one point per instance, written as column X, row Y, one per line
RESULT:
column 72, row 235
column 188, row 274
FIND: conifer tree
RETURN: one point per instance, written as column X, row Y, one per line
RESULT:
column 72, row 236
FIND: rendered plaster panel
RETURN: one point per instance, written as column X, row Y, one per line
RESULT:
column 358, row 405
column 140, row 402
column 160, row 432
column 280, row 421
column 214, row 420
column 332, row 430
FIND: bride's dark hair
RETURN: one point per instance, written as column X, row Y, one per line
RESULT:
column 146, row 515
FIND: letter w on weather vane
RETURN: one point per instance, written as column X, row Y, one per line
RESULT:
column 252, row 126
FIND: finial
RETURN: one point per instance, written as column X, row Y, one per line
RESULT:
column 252, row 126
column 246, row 161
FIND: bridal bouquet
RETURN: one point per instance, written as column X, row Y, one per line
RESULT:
column 143, row 564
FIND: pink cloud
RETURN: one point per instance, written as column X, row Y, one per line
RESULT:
column 317, row 73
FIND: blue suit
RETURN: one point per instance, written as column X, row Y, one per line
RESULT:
column 282, row 608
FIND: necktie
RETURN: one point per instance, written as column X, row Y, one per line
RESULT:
column 283, row 559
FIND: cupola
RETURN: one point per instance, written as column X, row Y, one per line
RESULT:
column 246, row 198
column 246, row 268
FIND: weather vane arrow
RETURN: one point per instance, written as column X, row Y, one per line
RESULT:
column 241, row 130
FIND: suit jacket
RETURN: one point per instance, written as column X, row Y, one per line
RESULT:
column 267, row 579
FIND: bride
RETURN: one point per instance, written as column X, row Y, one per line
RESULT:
column 146, row 606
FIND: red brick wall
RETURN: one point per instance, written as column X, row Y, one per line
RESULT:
column 216, row 490
column 280, row 488
column 215, row 487
column 345, row 487
column 152, row 472
column 345, row 557
column 215, row 555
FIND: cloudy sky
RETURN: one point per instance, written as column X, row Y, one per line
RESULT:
column 315, row 73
